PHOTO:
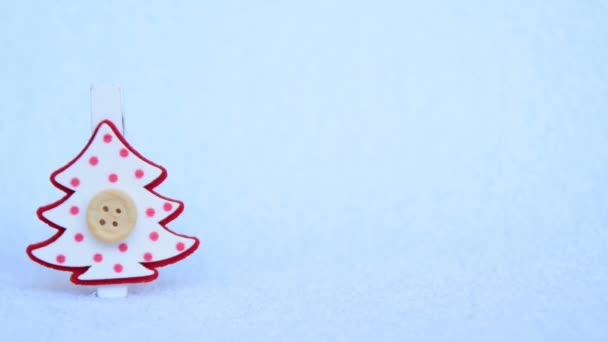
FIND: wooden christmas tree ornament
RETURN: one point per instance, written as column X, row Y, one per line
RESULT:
column 111, row 224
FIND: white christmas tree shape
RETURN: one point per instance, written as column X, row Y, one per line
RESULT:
column 108, row 162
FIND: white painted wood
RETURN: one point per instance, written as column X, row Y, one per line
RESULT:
column 107, row 104
column 112, row 291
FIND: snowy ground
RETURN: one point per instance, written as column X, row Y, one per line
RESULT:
column 355, row 170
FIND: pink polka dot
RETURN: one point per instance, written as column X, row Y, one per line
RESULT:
column 97, row 257
column 123, row 247
column 180, row 246
column 78, row 237
column 113, row 178
column 139, row 173
column 148, row 256
column 150, row 212
column 74, row 210
column 60, row 259
column 124, row 152
column 75, row 182
column 167, row 206
column 118, row 268
column 107, row 138
column 93, row 161
column 154, row 236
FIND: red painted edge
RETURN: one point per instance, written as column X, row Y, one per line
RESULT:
column 77, row 271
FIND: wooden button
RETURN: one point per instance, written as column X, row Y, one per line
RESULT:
column 111, row 215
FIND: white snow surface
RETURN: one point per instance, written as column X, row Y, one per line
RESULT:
column 355, row 170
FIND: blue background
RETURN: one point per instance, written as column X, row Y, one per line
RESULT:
column 355, row 170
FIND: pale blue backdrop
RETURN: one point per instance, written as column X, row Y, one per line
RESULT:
column 355, row 170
